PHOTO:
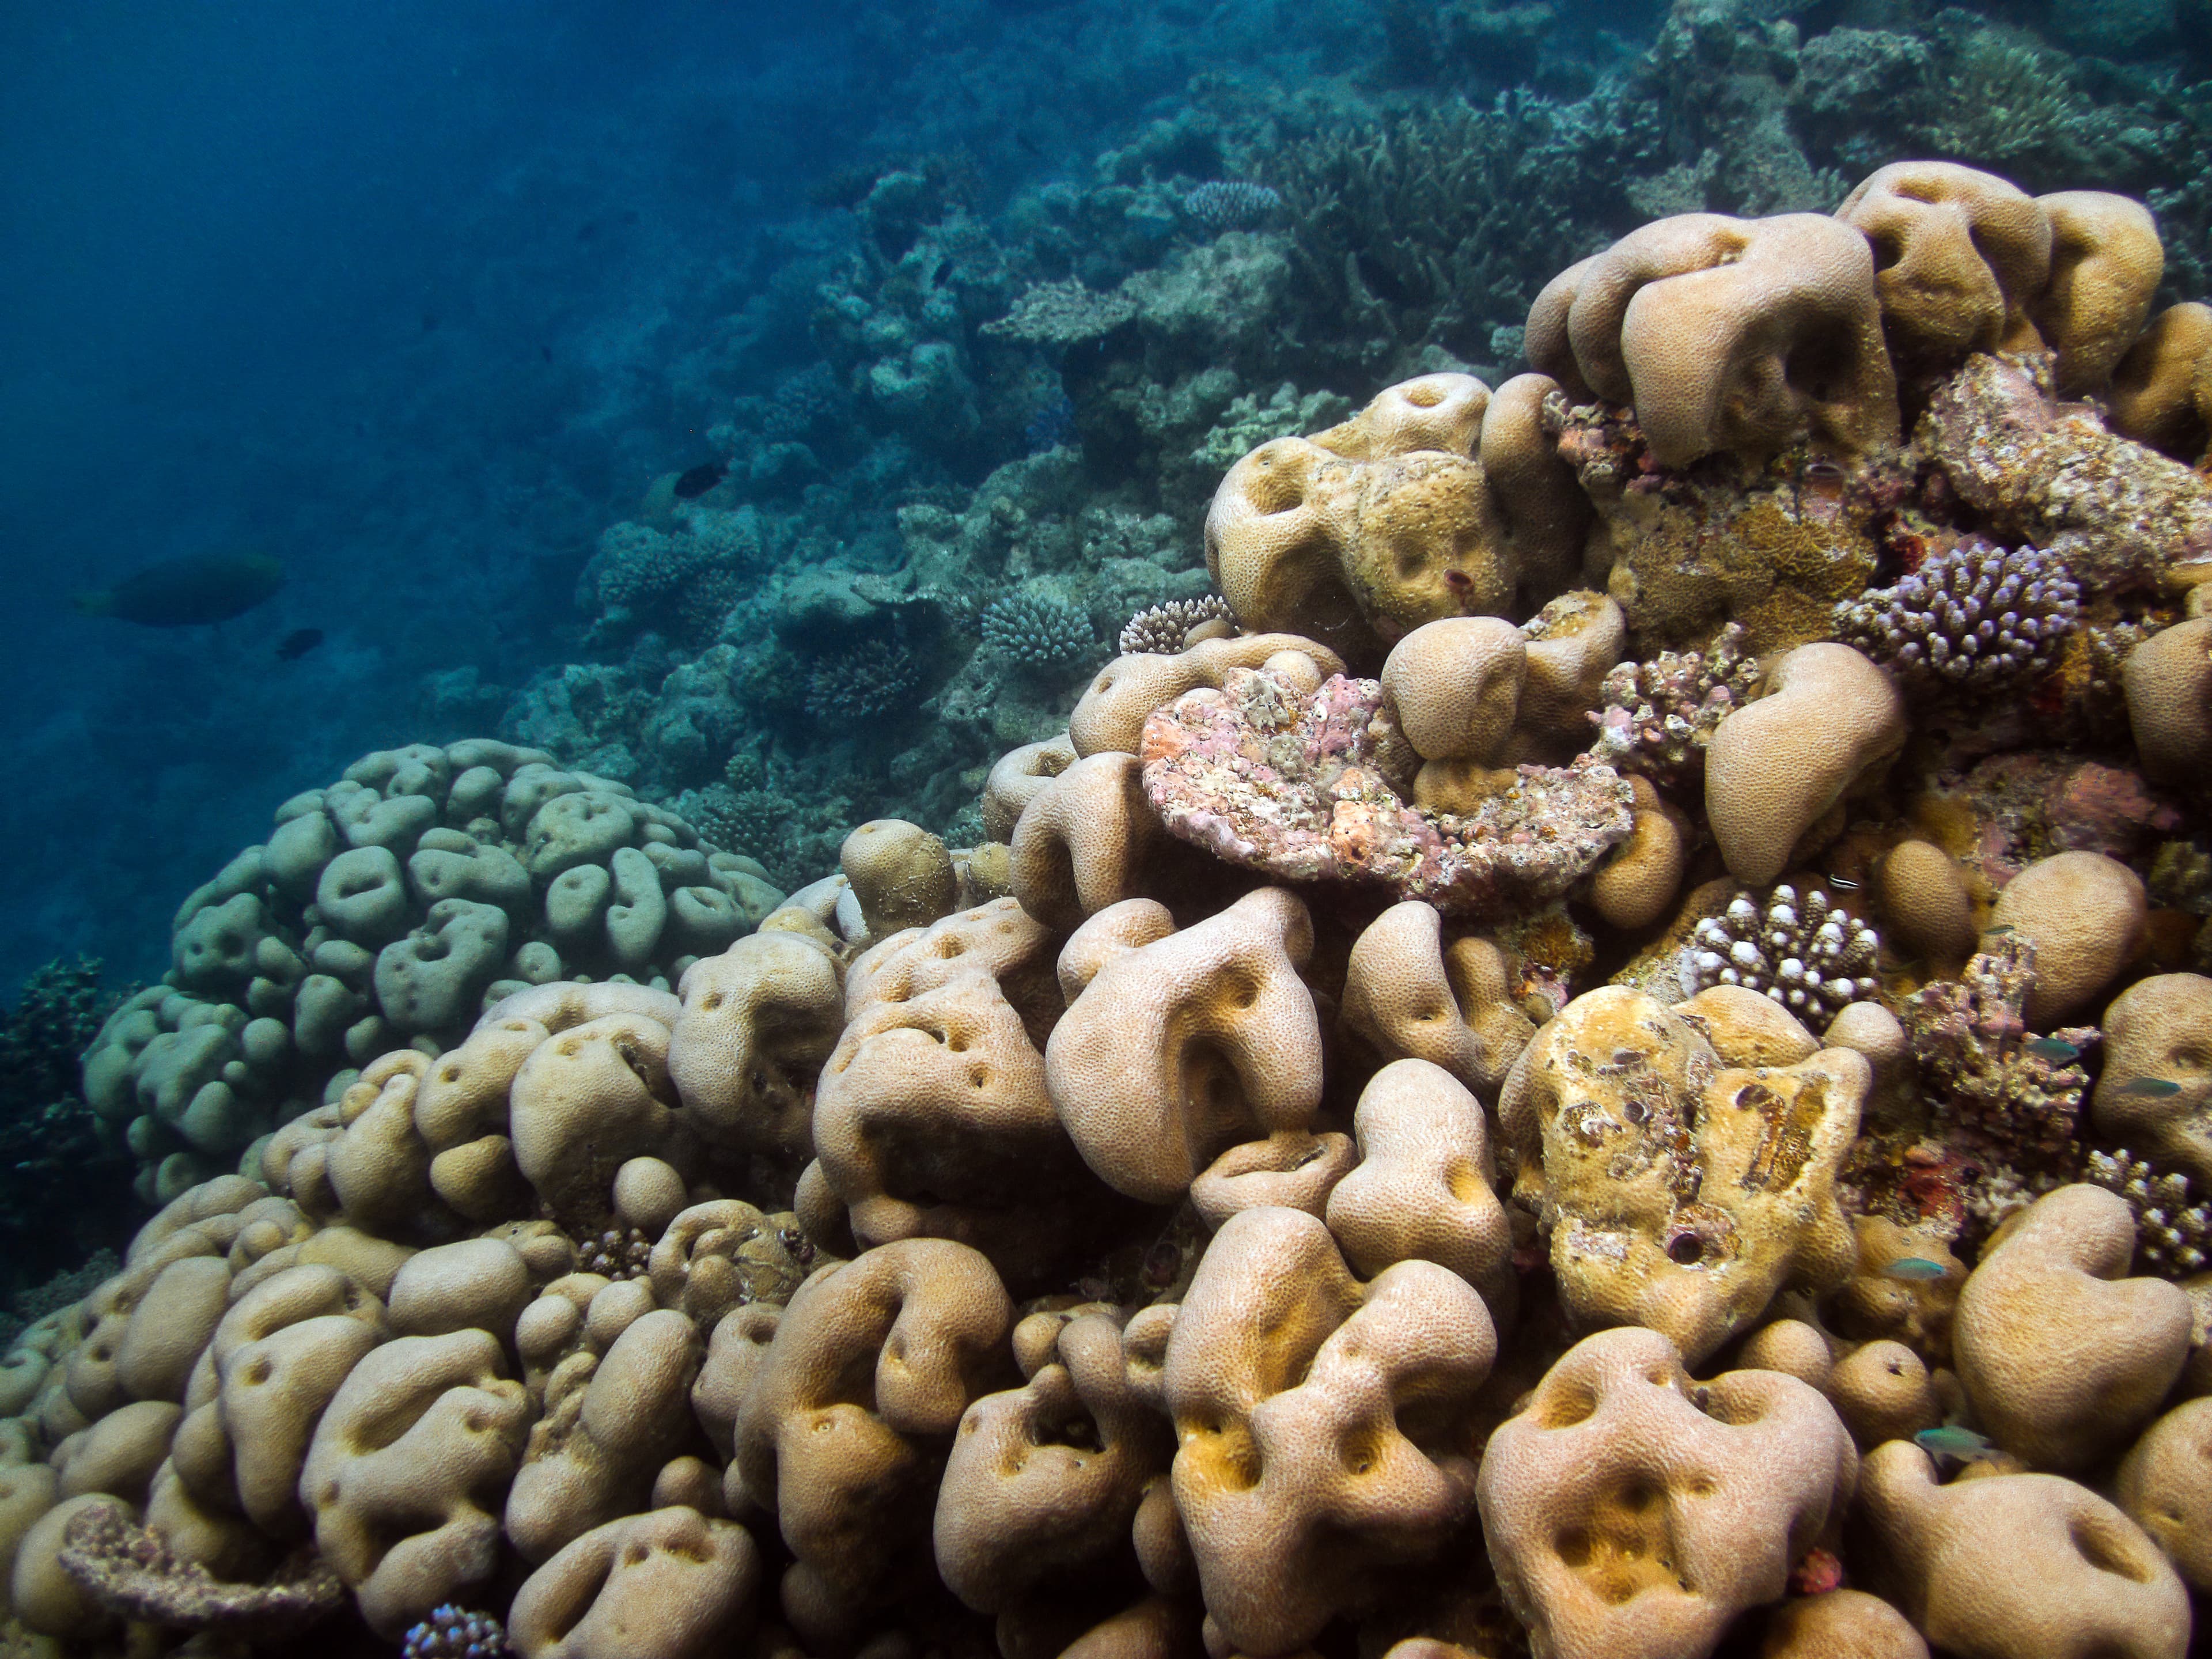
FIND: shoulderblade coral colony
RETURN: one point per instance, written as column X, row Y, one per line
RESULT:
column 1554, row 1071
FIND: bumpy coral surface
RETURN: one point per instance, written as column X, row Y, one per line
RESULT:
column 1811, row 957
column 1977, row 616
column 1133, row 1233
column 1986, row 1073
column 1658, row 716
column 1294, row 785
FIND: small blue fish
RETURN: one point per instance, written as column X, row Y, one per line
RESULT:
column 2150, row 1088
column 1952, row 1441
column 1915, row 1266
column 2056, row 1050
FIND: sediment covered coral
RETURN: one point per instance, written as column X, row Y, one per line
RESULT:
column 1300, row 785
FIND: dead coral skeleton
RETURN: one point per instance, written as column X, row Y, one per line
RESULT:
column 1986, row 1073
column 131, row 1572
column 1659, row 715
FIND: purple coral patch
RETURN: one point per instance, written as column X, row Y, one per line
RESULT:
column 1264, row 775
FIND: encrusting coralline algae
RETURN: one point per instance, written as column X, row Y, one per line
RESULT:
column 1410, row 1136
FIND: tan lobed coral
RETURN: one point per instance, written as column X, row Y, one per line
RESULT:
column 1393, row 518
column 1727, row 334
column 527, row 1299
column 2015, row 1567
column 1630, row 1512
column 1681, row 1190
column 1323, row 1424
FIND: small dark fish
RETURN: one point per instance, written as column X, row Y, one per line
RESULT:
column 588, row 231
column 297, row 643
column 429, row 322
column 2150, row 1088
column 187, row 592
column 1848, row 886
column 1914, row 1267
column 2056, row 1050
column 700, row 479
column 1952, row 1441
column 546, row 352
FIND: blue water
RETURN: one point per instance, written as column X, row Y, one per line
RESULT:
column 413, row 296
column 419, row 298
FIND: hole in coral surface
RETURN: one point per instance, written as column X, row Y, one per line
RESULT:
column 2106, row 1551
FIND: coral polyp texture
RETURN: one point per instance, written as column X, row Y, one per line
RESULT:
column 396, row 905
column 1528, row 1090
column 1165, row 629
column 1811, row 957
column 1658, row 716
column 1975, row 617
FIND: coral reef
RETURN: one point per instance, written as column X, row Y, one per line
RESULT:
column 1299, row 786
column 51, row 1139
column 1139, row 1228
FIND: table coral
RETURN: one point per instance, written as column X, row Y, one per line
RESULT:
column 1294, row 786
